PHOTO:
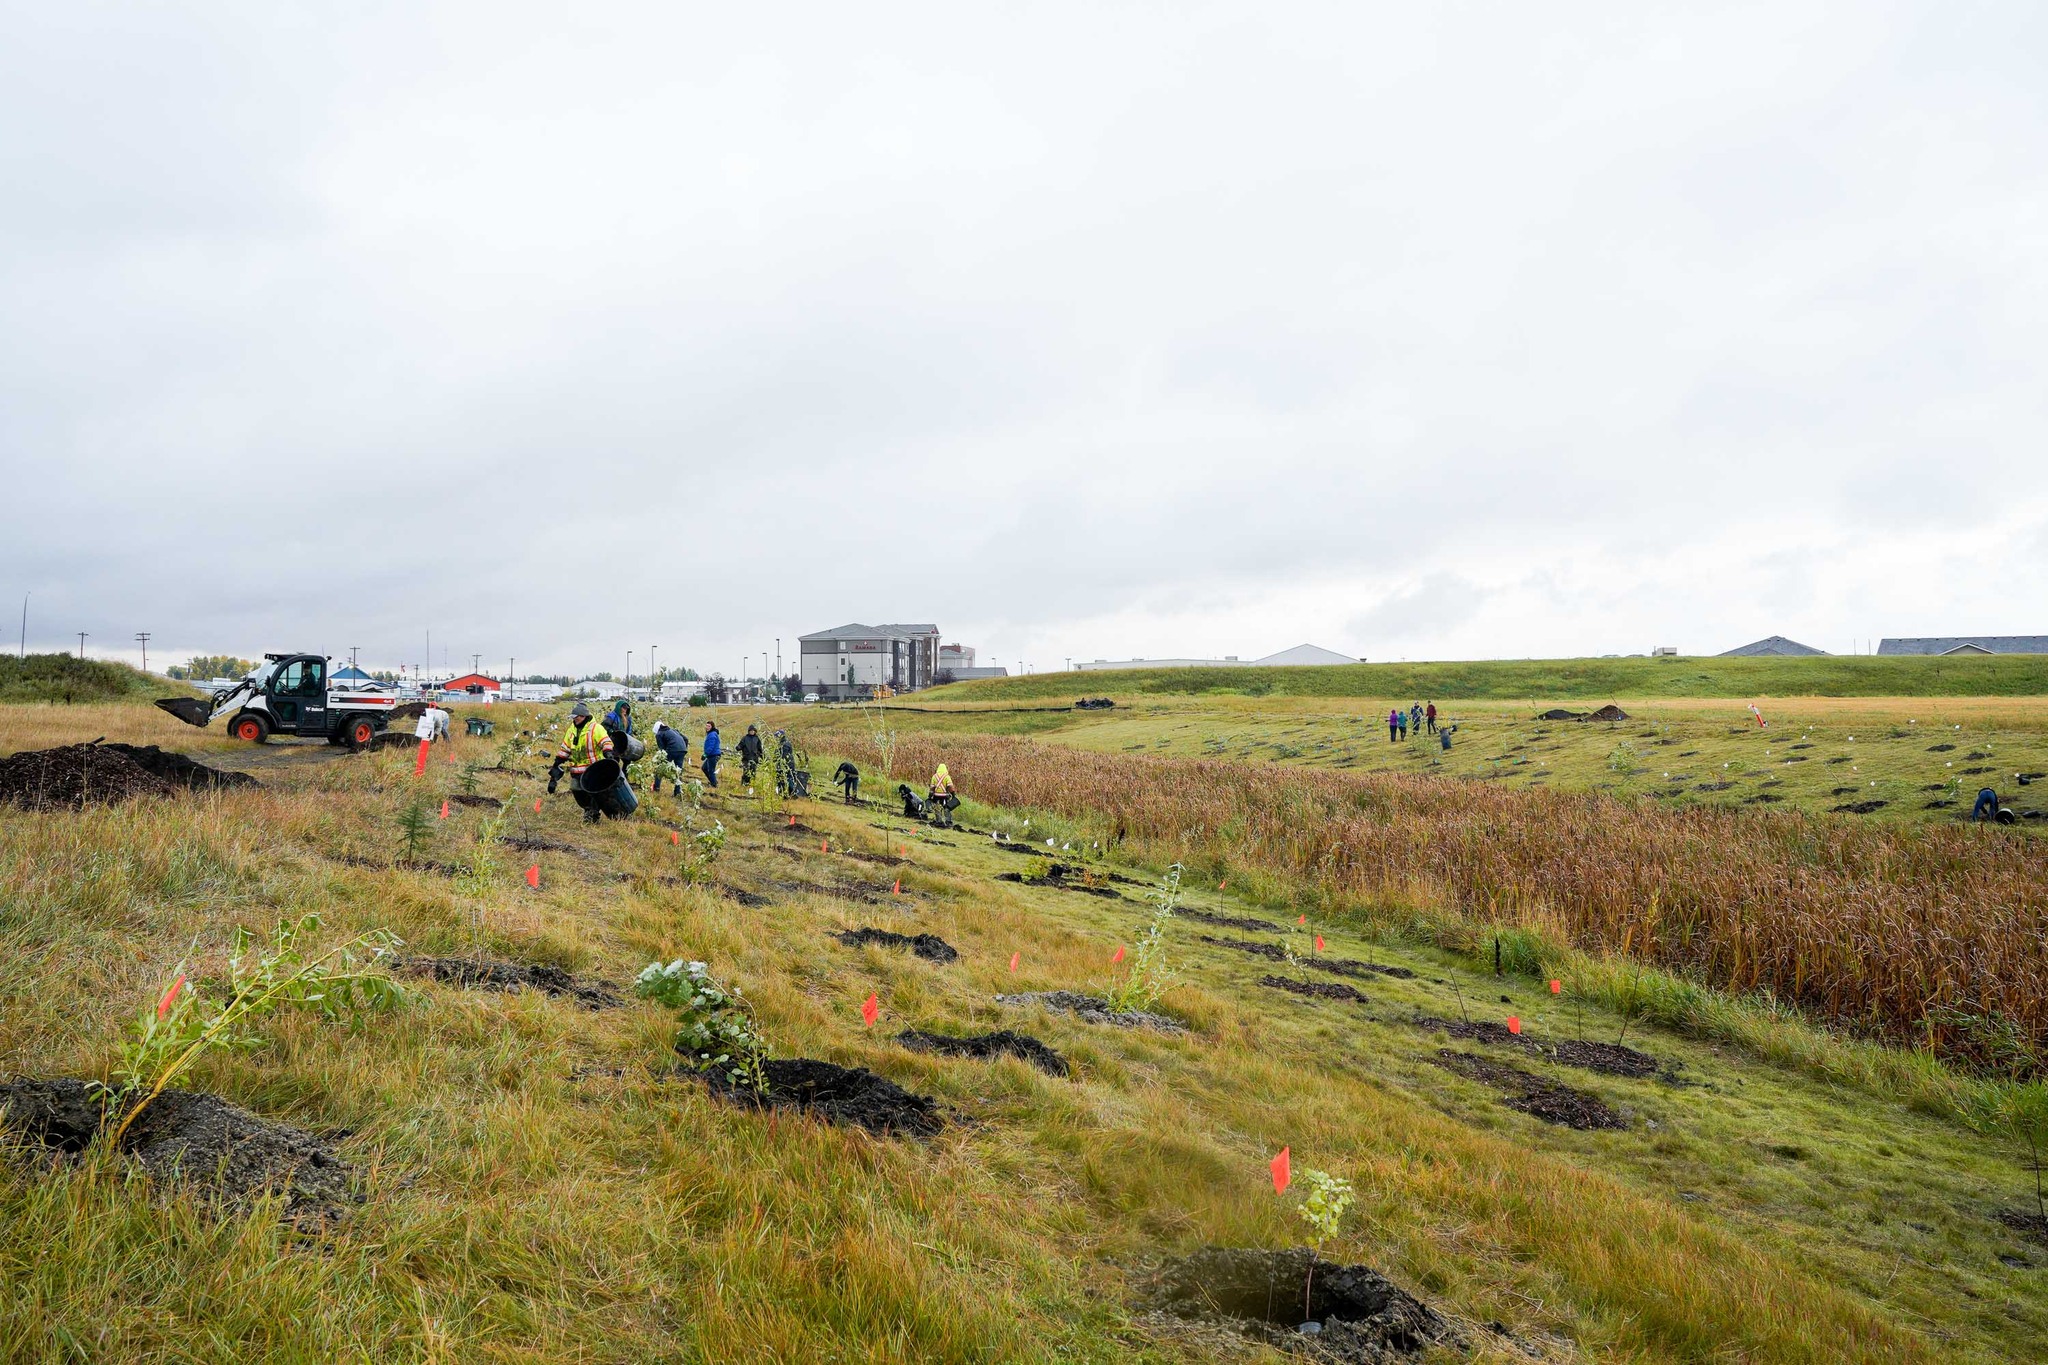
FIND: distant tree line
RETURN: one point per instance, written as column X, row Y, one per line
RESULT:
column 203, row 666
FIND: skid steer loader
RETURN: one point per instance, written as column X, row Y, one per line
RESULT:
column 288, row 694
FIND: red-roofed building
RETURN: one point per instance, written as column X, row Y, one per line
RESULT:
column 470, row 682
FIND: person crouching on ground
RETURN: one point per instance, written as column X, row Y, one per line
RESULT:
column 675, row 747
column 750, row 754
column 848, row 777
column 712, row 749
column 585, row 743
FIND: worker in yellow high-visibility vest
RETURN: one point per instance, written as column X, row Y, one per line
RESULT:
column 585, row 743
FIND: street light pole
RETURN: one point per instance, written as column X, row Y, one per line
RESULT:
column 653, row 678
column 476, row 663
column 24, row 625
column 628, row 681
column 81, row 644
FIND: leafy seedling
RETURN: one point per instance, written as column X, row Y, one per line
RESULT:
column 1322, row 1208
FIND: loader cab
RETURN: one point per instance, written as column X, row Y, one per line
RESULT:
column 297, row 695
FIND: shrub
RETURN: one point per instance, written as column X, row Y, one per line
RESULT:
column 1148, row 977
column 717, row 1032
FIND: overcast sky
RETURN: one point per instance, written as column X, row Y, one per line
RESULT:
column 1417, row 331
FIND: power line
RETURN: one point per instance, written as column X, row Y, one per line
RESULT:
column 142, row 638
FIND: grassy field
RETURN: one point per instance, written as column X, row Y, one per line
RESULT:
column 1922, row 759
column 1547, row 680
column 542, row 1187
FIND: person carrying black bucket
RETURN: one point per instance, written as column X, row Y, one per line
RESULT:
column 750, row 754
column 940, row 799
column 585, row 744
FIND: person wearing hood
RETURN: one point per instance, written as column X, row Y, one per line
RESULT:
column 750, row 753
column 942, row 800
column 712, row 749
column 583, row 744
column 675, row 746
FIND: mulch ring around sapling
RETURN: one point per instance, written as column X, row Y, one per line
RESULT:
column 1066, row 877
column 532, row 843
column 1321, row 990
column 98, row 774
column 848, row 1096
column 197, row 1139
column 471, row 799
column 1003, row 1043
column 1093, row 1010
column 740, row 895
column 1335, row 966
column 2027, row 1223
column 930, row 947
column 488, row 974
column 1609, row 1059
column 1551, row 1101
column 1232, row 1295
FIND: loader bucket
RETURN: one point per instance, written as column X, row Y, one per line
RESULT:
column 191, row 710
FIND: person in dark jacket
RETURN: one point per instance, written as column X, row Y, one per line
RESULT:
column 1987, row 805
column 675, row 746
column 1429, row 715
column 848, row 777
column 712, row 749
column 750, row 754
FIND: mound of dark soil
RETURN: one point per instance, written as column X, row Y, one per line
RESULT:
column 1548, row 1100
column 2027, row 1223
column 1090, row 1009
column 532, row 843
column 473, row 800
column 1713, row 786
column 1065, row 878
column 1232, row 921
column 1857, row 807
column 930, row 947
column 1263, row 1295
column 1973, row 772
column 862, row 892
column 883, row 859
column 198, row 1139
column 1335, row 966
column 743, row 896
column 180, row 770
column 1940, row 748
column 1321, row 990
column 76, row 776
column 849, row 1096
column 1609, row 712
column 1004, row 1042
column 1610, row 1059
column 487, row 974
column 392, row 739
column 1559, row 713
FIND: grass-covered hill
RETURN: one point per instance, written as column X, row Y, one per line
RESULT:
column 68, row 680
column 1559, row 679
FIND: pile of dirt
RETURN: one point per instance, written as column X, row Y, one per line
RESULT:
column 392, row 739
column 1094, row 704
column 198, row 1139
column 1609, row 1059
column 1092, row 1010
column 1321, row 990
column 1268, row 1296
column 882, row 859
column 1857, row 807
column 1940, row 748
column 473, row 800
column 1335, row 966
column 849, row 1096
column 76, row 776
column 1004, row 1042
column 1559, row 713
column 488, row 974
column 531, row 843
column 743, row 896
column 1551, row 1101
column 1232, row 921
column 2027, row 1223
column 1609, row 713
column 1066, row 878
column 930, row 947
column 862, row 892
column 180, row 770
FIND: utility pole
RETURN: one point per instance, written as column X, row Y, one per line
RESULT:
column 627, row 681
column 509, row 675
column 428, row 666
column 653, row 678
column 352, row 658
column 778, row 656
column 476, row 663
column 81, row 644
column 142, row 638
column 24, row 625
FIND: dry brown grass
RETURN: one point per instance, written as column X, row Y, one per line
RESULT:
column 1908, row 933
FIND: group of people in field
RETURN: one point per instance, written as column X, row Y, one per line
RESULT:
column 1418, row 720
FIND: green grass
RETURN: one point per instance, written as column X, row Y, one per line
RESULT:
column 542, row 1189
column 69, row 680
column 1548, row 679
